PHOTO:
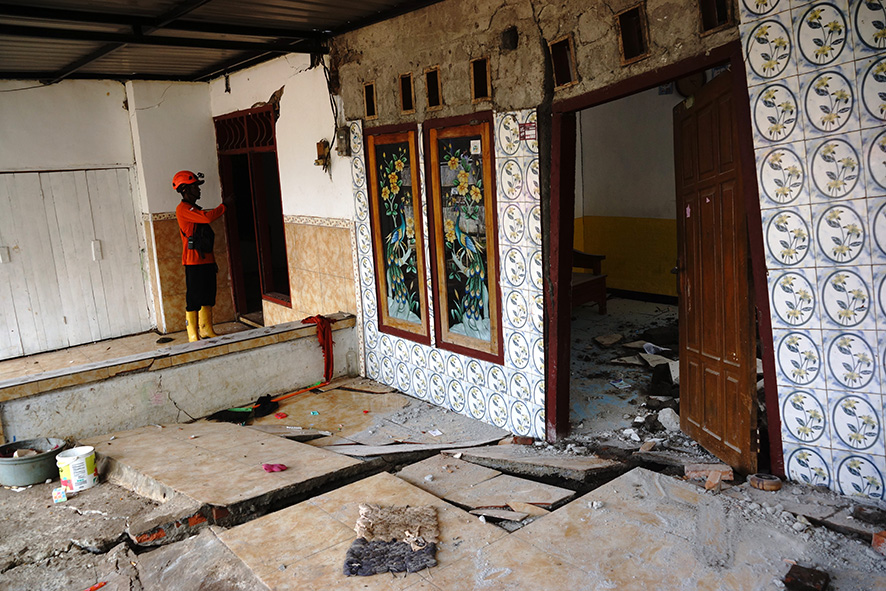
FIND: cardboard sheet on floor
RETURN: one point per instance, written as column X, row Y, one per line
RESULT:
column 529, row 460
column 497, row 492
column 441, row 475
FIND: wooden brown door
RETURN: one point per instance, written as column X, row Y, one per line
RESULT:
column 717, row 360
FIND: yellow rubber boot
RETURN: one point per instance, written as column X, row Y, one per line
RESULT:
column 206, row 330
column 191, row 321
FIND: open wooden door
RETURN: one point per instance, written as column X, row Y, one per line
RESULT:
column 717, row 338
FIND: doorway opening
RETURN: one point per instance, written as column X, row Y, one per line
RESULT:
column 247, row 157
column 661, row 196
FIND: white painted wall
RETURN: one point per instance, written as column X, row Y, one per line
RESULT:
column 627, row 157
column 172, row 130
column 305, row 119
column 70, row 125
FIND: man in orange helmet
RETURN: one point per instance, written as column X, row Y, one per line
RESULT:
column 197, row 257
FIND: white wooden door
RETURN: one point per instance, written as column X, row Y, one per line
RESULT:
column 74, row 272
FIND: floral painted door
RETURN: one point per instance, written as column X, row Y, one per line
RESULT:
column 717, row 346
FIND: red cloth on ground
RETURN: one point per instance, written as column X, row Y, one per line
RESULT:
column 324, row 335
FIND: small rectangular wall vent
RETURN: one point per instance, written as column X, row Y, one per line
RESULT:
column 433, row 87
column 714, row 14
column 563, row 59
column 369, row 100
column 407, row 100
column 632, row 32
column 480, row 86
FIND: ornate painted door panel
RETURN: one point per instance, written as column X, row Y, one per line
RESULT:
column 717, row 360
column 397, row 236
column 464, row 253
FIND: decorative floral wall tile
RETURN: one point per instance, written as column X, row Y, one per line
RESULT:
column 871, row 86
column 874, row 144
column 841, row 233
column 856, row 422
column 781, row 172
column 859, row 474
column 776, row 112
column 822, row 33
column 758, row 9
column 794, row 298
column 805, row 416
column 852, row 360
column 798, row 358
column 846, row 298
column 788, row 239
column 869, row 22
column 835, row 166
column 511, row 395
column 769, row 48
column 829, row 101
column 809, row 465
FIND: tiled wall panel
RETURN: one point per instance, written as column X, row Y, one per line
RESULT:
column 510, row 395
column 817, row 84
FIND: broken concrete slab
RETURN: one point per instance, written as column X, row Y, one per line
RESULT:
column 608, row 340
column 291, row 432
column 76, row 569
column 500, row 514
column 527, row 508
column 442, row 474
column 221, row 467
column 311, row 538
column 521, row 459
column 173, row 567
column 367, row 385
column 34, row 528
column 176, row 519
column 500, row 490
column 681, row 538
column 368, row 451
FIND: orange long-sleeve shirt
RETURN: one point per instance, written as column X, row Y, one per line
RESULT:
column 188, row 216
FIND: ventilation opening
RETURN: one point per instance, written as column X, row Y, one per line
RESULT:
column 369, row 100
column 407, row 101
column 432, row 84
column 563, row 59
column 480, row 80
column 714, row 14
column 632, row 33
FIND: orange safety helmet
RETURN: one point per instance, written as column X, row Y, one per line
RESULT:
column 186, row 177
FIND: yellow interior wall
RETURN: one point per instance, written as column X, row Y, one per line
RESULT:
column 640, row 252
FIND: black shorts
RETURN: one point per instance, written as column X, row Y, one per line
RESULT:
column 201, row 285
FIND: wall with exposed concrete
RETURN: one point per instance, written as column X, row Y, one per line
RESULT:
column 450, row 34
column 173, row 394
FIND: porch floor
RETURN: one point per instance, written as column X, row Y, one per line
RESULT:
column 107, row 350
column 290, row 530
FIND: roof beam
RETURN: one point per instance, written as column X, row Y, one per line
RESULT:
column 145, row 39
column 145, row 23
column 177, row 12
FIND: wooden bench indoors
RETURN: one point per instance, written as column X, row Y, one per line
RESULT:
column 588, row 287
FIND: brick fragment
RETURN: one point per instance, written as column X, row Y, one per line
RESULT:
column 151, row 537
column 703, row 471
column 879, row 542
column 219, row 513
column 523, row 440
column 714, row 481
column 800, row 578
column 196, row 519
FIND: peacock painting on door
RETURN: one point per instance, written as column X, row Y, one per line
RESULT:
column 395, row 197
column 464, row 245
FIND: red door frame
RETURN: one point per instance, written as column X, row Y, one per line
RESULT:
column 558, row 299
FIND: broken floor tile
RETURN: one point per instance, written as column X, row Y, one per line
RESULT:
column 531, row 461
column 501, row 490
column 704, row 471
column 442, row 474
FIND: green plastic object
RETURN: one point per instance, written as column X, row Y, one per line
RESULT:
column 30, row 469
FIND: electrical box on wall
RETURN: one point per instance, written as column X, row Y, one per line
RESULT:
column 342, row 141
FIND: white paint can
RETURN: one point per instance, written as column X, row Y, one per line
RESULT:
column 77, row 468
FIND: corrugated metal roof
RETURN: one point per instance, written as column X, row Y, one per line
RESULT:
column 170, row 39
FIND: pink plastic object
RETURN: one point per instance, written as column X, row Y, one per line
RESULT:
column 273, row 467
column 280, row 415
